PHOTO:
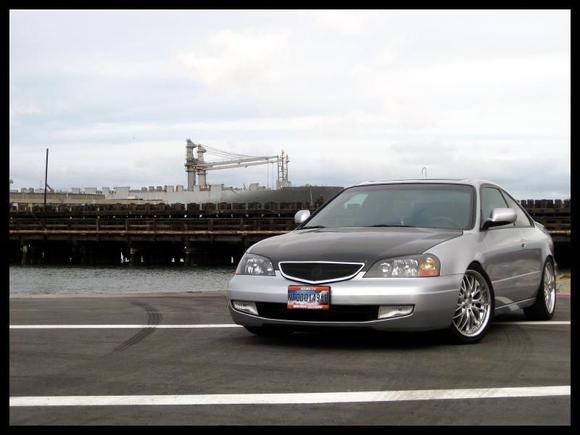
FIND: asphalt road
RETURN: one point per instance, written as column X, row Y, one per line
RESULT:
column 144, row 362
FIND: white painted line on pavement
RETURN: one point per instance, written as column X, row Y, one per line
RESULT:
column 534, row 322
column 292, row 398
column 223, row 325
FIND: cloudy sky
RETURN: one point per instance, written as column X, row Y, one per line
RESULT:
column 350, row 95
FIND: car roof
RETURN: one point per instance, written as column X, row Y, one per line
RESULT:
column 470, row 181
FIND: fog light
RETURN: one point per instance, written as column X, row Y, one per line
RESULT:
column 246, row 307
column 389, row 311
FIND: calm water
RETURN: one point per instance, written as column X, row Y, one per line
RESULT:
column 116, row 279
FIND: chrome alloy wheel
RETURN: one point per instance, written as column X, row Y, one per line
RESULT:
column 549, row 287
column 473, row 305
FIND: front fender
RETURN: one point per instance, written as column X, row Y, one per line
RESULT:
column 458, row 253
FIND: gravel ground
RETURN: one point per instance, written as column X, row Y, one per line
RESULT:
column 563, row 281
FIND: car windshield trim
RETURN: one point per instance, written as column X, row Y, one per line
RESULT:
column 465, row 187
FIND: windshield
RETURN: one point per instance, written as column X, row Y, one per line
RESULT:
column 408, row 205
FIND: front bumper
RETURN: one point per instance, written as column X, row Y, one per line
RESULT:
column 434, row 299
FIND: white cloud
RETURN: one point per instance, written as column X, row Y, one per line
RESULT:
column 233, row 58
column 112, row 130
column 22, row 110
column 480, row 93
column 344, row 22
column 25, row 109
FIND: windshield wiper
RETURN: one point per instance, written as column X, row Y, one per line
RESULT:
column 313, row 226
column 391, row 225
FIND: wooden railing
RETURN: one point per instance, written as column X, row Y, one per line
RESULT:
column 176, row 226
column 211, row 218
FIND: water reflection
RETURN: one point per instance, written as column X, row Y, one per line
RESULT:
column 117, row 279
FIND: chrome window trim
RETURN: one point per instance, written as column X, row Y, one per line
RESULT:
column 482, row 219
column 342, row 278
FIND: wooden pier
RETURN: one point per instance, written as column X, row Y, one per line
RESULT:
column 178, row 233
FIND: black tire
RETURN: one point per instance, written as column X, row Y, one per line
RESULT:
column 461, row 335
column 269, row 331
column 544, row 306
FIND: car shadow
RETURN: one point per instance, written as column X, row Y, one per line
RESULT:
column 355, row 339
column 516, row 316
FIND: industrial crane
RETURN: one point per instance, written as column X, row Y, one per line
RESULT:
column 198, row 166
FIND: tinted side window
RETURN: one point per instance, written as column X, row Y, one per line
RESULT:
column 491, row 198
column 522, row 220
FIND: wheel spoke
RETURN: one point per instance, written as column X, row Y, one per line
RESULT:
column 475, row 322
column 469, row 323
column 476, row 288
column 465, row 322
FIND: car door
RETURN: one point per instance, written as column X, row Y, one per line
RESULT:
column 532, row 262
column 504, row 259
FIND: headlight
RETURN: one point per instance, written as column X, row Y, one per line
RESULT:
column 416, row 265
column 252, row 264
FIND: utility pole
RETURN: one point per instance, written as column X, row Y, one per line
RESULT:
column 45, row 178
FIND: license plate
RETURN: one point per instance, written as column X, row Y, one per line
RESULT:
column 308, row 297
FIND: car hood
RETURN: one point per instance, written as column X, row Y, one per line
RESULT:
column 348, row 244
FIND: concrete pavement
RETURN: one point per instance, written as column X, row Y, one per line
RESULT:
column 216, row 361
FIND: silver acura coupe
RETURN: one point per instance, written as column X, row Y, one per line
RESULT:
column 400, row 255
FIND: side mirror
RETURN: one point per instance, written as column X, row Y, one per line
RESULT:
column 301, row 216
column 500, row 216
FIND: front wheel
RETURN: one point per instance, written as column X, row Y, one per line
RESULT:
column 545, row 304
column 474, row 309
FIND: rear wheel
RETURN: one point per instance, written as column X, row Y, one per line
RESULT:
column 474, row 309
column 269, row 331
column 545, row 304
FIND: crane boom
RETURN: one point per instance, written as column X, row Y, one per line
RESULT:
column 243, row 165
column 251, row 161
column 198, row 166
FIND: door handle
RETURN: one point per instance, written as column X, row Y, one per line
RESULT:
column 523, row 243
